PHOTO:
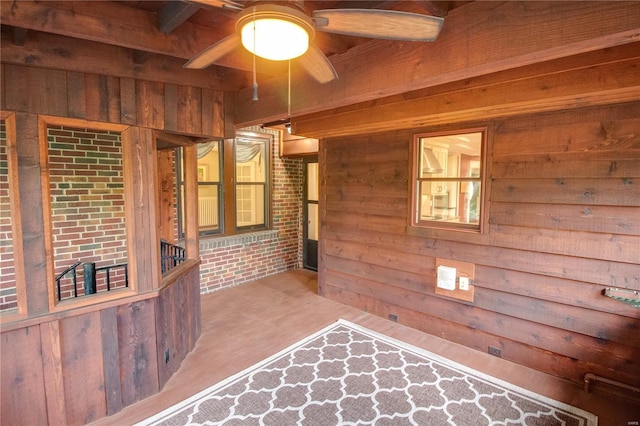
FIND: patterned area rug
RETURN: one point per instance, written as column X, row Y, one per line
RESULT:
column 348, row 375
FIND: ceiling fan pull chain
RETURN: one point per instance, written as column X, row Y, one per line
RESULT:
column 289, row 93
column 255, row 80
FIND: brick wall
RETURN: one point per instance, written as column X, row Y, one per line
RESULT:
column 8, row 300
column 229, row 261
column 87, row 203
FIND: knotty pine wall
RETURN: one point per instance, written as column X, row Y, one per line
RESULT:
column 564, row 224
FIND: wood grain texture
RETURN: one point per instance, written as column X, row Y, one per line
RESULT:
column 470, row 45
column 35, row 90
column 22, row 386
column 111, row 355
column 53, row 373
column 137, row 347
column 29, row 176
column 558, row 235
column 82, row 363
column 140, row 174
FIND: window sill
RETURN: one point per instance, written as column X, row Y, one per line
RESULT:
column 236, row 240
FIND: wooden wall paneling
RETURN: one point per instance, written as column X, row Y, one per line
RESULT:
column 524, row 354
column 229, row 115
column 538, row 283
column 114, row 101
column 111, row 360
column 623, row 220
column 222, row 118
column 128, row 101
column 33, row 233
column 165, row 337
column 587, row 131
column 76, row 95
column 214, row 116
column 53, row 372
column 150, row 99
column 137, row 346
column 194, row 316
column 180, row 312
column 96, row 97
column 102, row 98
column 549, row 190
column 166, row 186
column 16, row 216
column 82, row 364
column 567, row 165
column 22, row 378
column 619, row 248
column 527, row 326
column 192, row 231
column 595, row 271
column 189, row 110
column 171, row 107
column 3, row 102
column 35, row 90
column 544, row 288
column 140, row 176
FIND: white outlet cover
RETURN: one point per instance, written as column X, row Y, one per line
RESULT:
column 446, row 277
column 463, row 282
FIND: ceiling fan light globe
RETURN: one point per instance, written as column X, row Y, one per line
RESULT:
column 275, row 39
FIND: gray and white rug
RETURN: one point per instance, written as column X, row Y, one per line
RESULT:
column 348, row 375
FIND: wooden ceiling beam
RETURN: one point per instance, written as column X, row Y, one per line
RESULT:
column 604, row 77
column 63, row 53
column 19, row 36
column 112, row 23
column 174, row 14
column 478, row 38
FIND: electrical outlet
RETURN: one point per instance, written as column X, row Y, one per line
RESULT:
column 393, row 317
column 463, row 283
column 495, row 351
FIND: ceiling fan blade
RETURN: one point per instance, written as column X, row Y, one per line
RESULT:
column 317, row 65
column 213, row 53
column 376, row 23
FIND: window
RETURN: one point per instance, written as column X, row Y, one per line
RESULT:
column 251, row 187
column 448, row 173
column 209, row 187
column 233, row 185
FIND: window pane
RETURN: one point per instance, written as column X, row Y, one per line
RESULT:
column 209, row 186
column 251, row 178
column 448, row 181
column 250, row 207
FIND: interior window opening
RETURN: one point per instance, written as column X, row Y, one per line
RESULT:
column 8, row 290
column 448, row 170
column 86, row 185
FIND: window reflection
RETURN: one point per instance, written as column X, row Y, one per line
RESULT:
column 448, row 182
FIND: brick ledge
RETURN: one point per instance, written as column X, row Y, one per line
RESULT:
column 235, row 240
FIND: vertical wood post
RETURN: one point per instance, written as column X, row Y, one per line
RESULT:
column 141, row 182
column 192, row 238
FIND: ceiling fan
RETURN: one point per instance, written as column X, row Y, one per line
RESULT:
column 253, row 32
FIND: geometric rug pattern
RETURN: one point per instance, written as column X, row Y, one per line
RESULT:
column 348, row 375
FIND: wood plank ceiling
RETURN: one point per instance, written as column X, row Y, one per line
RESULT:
column 153, row 40
column 147, row 31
